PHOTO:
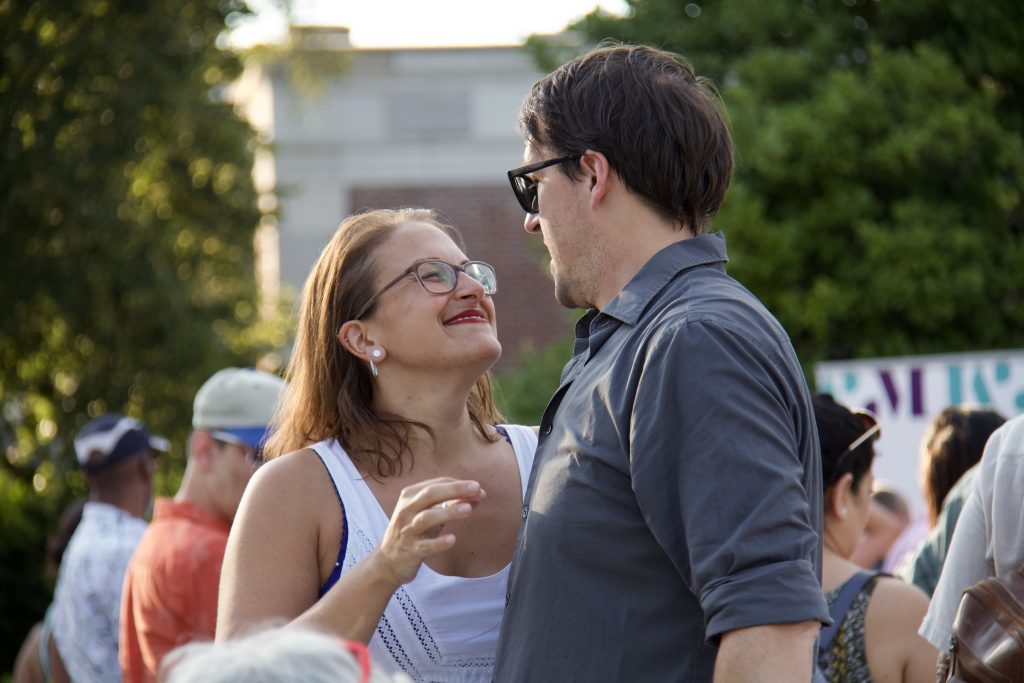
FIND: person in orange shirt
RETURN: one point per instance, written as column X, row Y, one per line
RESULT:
column 170, row 588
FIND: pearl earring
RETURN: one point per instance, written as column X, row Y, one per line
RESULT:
column 375, row 355
column 843, row 511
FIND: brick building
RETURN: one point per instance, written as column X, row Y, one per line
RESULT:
column 381, row 128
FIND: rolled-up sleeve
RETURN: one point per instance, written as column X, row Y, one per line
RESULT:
column 719, row 474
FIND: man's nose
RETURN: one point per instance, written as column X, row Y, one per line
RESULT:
column 531, row 223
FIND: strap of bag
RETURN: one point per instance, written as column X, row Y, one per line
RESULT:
column 842, row 605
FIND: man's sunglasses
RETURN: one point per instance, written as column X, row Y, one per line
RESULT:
column 525, row 187
column 439, row 277
column 253, row 456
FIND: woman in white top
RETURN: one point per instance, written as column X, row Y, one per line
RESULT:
column 391, row 515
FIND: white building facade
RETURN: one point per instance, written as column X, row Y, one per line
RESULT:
column 383, row 128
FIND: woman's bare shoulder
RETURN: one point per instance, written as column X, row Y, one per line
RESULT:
column 895, row 651
column 298, row 477
column 898, row 595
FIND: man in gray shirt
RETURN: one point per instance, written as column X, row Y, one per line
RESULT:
column 673, row 519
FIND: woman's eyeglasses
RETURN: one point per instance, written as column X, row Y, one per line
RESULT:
column 439, row 277
column 525, row 187
column 872, row 431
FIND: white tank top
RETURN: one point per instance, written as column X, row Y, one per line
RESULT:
column 435, row 628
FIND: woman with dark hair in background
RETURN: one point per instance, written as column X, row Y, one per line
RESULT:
column 875, row 637
column 951, row 448
column 953, row 444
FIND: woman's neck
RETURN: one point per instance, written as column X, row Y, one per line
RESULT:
column 438, row 403
column 835, row 569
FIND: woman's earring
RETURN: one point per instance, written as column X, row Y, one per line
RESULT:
column 375, row 355
column 842, row 510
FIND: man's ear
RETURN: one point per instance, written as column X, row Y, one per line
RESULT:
column 147, row 467
column 201, row 450
column 354, row 338
column 598, row 175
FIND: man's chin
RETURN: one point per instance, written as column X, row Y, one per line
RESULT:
column 566, row 297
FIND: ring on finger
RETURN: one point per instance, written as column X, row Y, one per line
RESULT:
column 444, row 505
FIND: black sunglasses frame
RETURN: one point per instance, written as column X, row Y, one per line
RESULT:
column 253, row 455
column 413, row 270
column 525, row 189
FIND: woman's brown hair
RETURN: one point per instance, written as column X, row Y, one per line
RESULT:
column 330, row 392
column 953, row 444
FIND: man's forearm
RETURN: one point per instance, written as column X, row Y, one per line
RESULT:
column 776, row 653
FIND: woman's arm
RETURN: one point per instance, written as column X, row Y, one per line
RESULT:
column 272, row 564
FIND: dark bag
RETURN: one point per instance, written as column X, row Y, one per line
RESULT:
column 988, row 633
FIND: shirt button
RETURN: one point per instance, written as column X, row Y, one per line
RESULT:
column 547, row 429
column 526, row 511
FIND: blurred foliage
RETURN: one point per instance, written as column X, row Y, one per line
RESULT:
column 877, row 203
column 127, row 217
column 523, row 394
column 307, row 59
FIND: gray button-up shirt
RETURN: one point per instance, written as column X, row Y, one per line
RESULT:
column 676, row 492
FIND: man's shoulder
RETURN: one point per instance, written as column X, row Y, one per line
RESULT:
column 713, row 296
column 178, row 544
column 732, row 314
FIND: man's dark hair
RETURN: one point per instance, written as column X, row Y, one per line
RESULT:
column 663, row 130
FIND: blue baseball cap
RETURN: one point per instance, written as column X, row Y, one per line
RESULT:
column 111, row 438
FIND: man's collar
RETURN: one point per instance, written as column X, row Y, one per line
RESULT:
column 662, row 268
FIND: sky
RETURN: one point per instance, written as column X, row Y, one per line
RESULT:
column 422, row 23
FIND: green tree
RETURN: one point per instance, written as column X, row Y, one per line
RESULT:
column 877, row 201
column 127, row 219
column 523, row 394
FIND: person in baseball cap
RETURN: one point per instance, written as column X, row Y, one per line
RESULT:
column 80, row 633
column 111, row 438
column 236, row 406
column 171, row 585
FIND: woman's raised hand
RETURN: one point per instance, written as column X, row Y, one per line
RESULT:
column 414, row 532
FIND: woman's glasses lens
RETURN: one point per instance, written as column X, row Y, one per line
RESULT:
column 436, row 276
column 484, row 274
column 439, row 277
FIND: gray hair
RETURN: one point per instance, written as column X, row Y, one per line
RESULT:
column 275, row 655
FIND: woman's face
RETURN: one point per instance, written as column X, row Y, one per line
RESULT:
column 418, row 329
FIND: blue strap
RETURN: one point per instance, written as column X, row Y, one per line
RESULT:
column 841, row 606
column 343, row 544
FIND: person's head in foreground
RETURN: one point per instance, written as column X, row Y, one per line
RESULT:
column 275, row 655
